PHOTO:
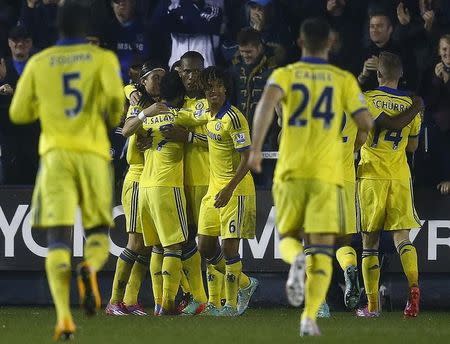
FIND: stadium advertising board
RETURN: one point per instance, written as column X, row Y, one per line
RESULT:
column 22, row 248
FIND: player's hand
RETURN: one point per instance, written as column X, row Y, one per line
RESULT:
column 32, row 3
column 403, row 14
column 428, row 18
column 331, row 5
column 6, row 90
column 175, row 133
column 417, row 102
column 254, row 161
column 440, row 72
column 2, row 69
column 371, row 64
column 155, row 109
column 223, row 197
column 135, row 96
column 444, row 187
column 144, row 142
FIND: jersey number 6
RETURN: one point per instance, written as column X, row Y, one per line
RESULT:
column 325, row 99
column 72, row 92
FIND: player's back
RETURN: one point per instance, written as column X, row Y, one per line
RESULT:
column 74, row 92
column 164, row 160
column 316, row 94
column 383, row 155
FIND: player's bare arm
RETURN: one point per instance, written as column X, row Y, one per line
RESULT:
column 401, row 120
column 361, row 138
column 223, row 197
column 265, row 110
column 363, row 120
column 133, row 124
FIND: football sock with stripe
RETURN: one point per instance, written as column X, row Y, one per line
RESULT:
column 371, row 276
column 290, row 248
column 156, row 263
column 171, row 273
column 346, row 256
column 57, row 266
column 319, row 270
column 233, row 271
column 408, row 257
column 96, row 250
column 219, row 264
column 192, row 268
column 140, row 268
column 122, row 274
column 215, row 282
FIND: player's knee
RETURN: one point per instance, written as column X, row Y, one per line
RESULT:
column 370, row 240
column 206, row 247
column 400, row 236
column 230, row 248
column 59, row 237
column 136, row 244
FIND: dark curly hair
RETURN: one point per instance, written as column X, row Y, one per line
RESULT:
column 172, row 87
column 214, row 73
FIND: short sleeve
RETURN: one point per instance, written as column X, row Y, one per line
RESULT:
column 128, row 89
column 415, row 126
column 354, row 100
column 239, row 131
column 279, row 78
column 133, row 111
column 374, row 111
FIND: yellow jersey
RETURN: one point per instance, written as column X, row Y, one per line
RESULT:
column 75, row 90
column 315, row 97
column 228, row 135
column 196, row 157
column 383, row 155
column 349, row 132
column 163, row 164
column 135, row 158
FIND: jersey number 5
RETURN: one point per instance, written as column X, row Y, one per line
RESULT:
column 72, row 92
column 325, row 101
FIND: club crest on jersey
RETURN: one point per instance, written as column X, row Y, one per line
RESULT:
column 199, row 106
column 218, row 126
column 135, row 112
column 239, row 138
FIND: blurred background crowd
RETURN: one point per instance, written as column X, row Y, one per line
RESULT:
column 250, row 39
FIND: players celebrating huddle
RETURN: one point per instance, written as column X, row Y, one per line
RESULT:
column 189, row 154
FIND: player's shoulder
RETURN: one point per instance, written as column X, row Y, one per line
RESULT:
column 234, row 117
column 386, row 92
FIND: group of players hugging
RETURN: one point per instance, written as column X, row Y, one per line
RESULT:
column 190, row 154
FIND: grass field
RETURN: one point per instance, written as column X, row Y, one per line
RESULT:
column 275, row 326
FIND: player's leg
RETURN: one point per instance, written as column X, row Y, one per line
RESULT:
column 58, row 269
column 171, row 274
column 370, row 272
column 137, row 275
column 346, row 256
column 156, row 262
column 408, row 257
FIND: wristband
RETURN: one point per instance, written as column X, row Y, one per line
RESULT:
column 190, row 137
column 142, row 116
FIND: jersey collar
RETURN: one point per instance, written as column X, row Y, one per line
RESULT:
column 223, row 110
column 393, row 91
column 310, row 59
column 71, row 41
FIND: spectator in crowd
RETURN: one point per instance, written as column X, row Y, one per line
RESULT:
column 126, row 35
column 435, row 89
column 380, row 32
column 19, row 144
column 249, row 73
column 192, row 25
column 265, row 17
column 39, row 17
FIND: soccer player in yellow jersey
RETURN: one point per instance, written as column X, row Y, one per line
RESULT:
column 309, row 174
column 385, row 192
column 133, row 262
column 229, row 208
column 75, row 90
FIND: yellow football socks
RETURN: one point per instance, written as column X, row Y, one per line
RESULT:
column 193, row 270
column 156, row 263
column 215, row 281
column 220, row 266
column 140, row 268
column 121, row 276
column 290, row 249
column 346, row 256
column 96, row 250
column 408, row 257
column 184, row 284
column 171, row 272
column 57, row 266
column 371, row 276
column 319, row 270
column 233, row 270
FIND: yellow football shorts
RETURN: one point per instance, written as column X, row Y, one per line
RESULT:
column 194, row 196
column 163, row 215
column 237, row 220
column 68, row 179
column 311, row 205
column 386, row 205
column 350, row 200
column 130, row 196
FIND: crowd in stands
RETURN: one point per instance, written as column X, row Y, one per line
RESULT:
column 250, row 39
